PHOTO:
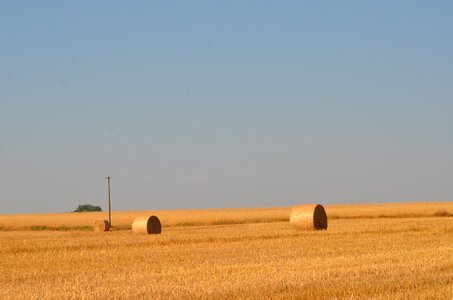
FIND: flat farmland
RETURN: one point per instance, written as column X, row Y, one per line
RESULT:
column 192, row 217
column 356, row 258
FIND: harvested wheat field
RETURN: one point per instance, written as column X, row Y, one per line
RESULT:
column 170, row 218
column 356, row 258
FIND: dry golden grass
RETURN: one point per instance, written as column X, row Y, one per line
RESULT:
column 390, row 258
column 369, row 251
column 389, row 210
column 124, row 219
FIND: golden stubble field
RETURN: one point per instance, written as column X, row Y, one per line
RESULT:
column 356, row 258
column 169, row 218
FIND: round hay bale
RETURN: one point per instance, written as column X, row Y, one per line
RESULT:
column 101, row 225
column 147, row 225
column 309, row 217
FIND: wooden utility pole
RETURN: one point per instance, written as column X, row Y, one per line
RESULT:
column 110, row 207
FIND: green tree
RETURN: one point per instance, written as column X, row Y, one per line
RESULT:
column 87, row 207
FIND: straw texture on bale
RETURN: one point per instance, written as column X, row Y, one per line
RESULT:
column 147, row 225
column 101, row 225
column 309, row 217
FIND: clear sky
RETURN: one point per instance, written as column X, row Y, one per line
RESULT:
column 199, row 104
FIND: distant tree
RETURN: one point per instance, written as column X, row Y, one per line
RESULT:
column 87, row 207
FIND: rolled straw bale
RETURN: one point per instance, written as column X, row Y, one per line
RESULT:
column 101, row 225
column 309, row 217
column 147, row 225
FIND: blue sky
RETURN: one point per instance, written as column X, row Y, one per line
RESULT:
column 197, row 104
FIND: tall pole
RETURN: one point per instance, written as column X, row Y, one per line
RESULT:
column 110, row 207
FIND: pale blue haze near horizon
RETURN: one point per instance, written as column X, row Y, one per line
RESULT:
column 202, row 104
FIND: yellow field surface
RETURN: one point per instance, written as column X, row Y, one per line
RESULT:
column 380, row 258
column 123, row 219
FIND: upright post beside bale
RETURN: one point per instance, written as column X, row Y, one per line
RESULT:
column 147, row 225
column 309, row 217
column 110, row 206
